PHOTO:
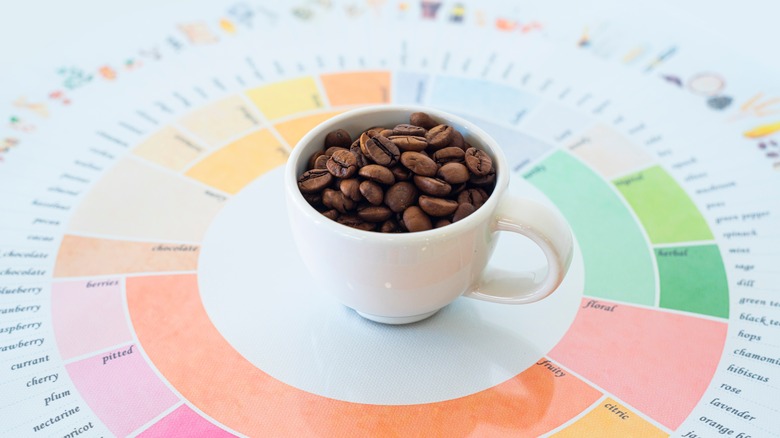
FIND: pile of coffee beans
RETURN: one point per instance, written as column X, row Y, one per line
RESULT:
column 410, row 177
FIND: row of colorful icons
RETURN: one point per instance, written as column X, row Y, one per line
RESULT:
column 244, row 16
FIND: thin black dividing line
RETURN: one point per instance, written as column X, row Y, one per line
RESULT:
column 252, row 66
column 147, row 117
column 489, row 64
column 507, row 71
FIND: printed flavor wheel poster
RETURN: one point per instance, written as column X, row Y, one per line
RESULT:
column 149, row 284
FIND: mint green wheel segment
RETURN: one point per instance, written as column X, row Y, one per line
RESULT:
column 618, row 262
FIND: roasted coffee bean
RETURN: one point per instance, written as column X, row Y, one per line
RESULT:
column 331, row 214
column 432, row 186
column 377, row 173
column 373, row 132
column 374, row 213
column 342, row 164
column 462, row 211
column 389, row 226
column 351, row 189
column 475, row 197
column 314, row 199
column 335, row 199
column 381, row 151
column 361, row 159
column 415, row 219
column 483, row 181
column 422, row 120
column 338, row 138
column 401, row 196
column 321, row 162
column 313, row 159
column 364, row 138
column 314, row 180
column 454, row 173
column 457, row 140
column 333, row 149
column 439, row 137
column 437, row 207
column 410, row 142
column 356, row 222
column 398, row 179
column 419, row 163
column 449, row 155
column 372, row 192
column 401, row 173
column 478, row 162
column 441, row 223
column 407, row 129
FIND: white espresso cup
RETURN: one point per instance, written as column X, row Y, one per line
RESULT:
column 400, row 278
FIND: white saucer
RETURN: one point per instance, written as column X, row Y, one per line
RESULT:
column 263, row 301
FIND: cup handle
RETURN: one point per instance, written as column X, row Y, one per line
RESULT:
column 544, row 227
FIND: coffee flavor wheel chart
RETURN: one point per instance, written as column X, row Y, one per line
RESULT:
column 149, row 285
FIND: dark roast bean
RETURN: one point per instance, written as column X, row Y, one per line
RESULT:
column 439, row 137
column 462, row 211
column 448, row 155
column 338, row 138
column 321, row 162
column 373, row 132
column 437, row 207
column 361, row 159
column 475, row 197
column 356, row 222
column 377, row 173
column 364, row 138
column 314, row 199
column 400, row 196
column 454, row 173
column 381, row 151
column 342, row 164
column 314, row 180
column 441, row 223
column 389, row 226
column 401, row 173
column 351, row 189
column 419, row 163
column 457, row 188
column 415, row 219
column 374, row 213
column 432, row 186
column 478, row 162
column 457, row 140
column 372, row 192
column 407, row 129
column 405, row 178
column 423, row 120
column 331, row 214
column 333, row 149
column 335, row 199
column 313, row 158
column 410, row 142
column 483, row 181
